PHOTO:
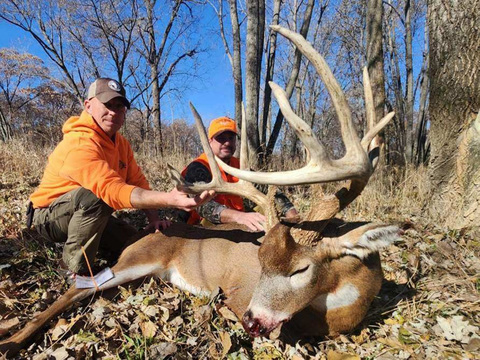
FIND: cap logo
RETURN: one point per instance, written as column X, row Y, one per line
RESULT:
column 115, row 86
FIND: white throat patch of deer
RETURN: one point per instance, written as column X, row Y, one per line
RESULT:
column 320, row 274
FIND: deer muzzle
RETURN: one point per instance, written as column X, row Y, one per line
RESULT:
column 255, row 326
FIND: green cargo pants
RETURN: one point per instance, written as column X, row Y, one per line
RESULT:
column 78, row 218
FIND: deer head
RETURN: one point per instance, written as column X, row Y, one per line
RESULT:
column 297, row 259
column 295, row 275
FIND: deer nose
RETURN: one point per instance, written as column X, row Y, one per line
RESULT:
column 252, row 325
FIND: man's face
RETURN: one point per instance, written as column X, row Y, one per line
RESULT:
column 224, row 145
column 109, row 116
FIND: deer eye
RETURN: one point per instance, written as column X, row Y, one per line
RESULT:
column 300, row 271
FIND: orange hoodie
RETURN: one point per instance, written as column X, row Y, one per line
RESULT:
column 87, row 157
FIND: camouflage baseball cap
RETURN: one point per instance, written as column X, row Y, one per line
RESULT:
column 105, row 89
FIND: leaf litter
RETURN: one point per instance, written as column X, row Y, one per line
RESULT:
column 428, row 306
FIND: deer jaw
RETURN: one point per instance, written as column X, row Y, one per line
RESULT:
column 295, row 276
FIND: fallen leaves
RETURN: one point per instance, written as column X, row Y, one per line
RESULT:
column 149, row 329
column 226, row 342
column 455, row 328
column 428, row 308
column 335, row 355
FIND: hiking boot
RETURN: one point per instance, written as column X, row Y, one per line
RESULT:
column 67, row 274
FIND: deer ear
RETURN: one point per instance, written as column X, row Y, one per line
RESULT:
column 362, row 241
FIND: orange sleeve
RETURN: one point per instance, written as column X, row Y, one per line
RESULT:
column 86, row 167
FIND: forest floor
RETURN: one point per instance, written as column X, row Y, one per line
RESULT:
column 428, row 307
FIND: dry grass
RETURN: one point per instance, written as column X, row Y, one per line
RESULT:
column 393, row 193
column 428, row 306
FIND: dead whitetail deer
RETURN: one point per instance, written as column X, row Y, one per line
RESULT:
column 320, row 272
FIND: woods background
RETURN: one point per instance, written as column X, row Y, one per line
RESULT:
column 422, row 58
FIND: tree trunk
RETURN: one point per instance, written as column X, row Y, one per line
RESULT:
column 255, row 26
column 237, row 61
column 267, row 98
column 6, row 133
column 396, row 154
column 409, row 88
column 375, row 55
column 422, row 144
column 454, row 75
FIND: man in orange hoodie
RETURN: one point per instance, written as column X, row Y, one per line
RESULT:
column 90, row 174
column 226, row 208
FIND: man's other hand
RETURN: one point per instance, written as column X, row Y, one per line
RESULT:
column 253, row 220
column 158, row 225
column 182, row 201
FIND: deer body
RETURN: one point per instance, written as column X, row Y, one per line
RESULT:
column 334, row 298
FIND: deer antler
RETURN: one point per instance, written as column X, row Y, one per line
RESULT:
column 356, row 165
column 241, row 188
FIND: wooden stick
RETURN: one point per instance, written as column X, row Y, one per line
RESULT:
column 90, row 269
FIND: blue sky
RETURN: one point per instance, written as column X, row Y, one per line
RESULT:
column 213, row 95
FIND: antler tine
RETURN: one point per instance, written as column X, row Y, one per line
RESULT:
column 269, row 208
column 350, row 137
column 216, row 174
column 243, row 143
column 241, row 188
column 370, row 135
column 371, row 141
column 305, row 134
column 369, row 105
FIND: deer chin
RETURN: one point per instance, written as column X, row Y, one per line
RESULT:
column 261, row 325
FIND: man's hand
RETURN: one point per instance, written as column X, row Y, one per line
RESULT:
column 182, row 201
column 150, row 199
column 154, row 223
column 158, row 225
column 253, row 220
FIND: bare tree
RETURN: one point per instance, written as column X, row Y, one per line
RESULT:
column 270, row 68
column 234, row 54
column 81, row 39
column 114, row 23
column 237, row 59
column 19, row 74
column 375, row 58
column 258, row 127
column 409, row 76
column 45, row 25
column 254, row 54
column 403, row 19
column 454, row 75
column 422, row 143
column 161, row 56
column 292, row 80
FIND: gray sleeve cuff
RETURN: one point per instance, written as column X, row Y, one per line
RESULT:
column 211, row 211
column 282, row 203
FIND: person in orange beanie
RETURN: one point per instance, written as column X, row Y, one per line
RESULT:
column 226, row 208
column 91, row 173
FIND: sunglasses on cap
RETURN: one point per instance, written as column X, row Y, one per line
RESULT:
column 225, row 136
